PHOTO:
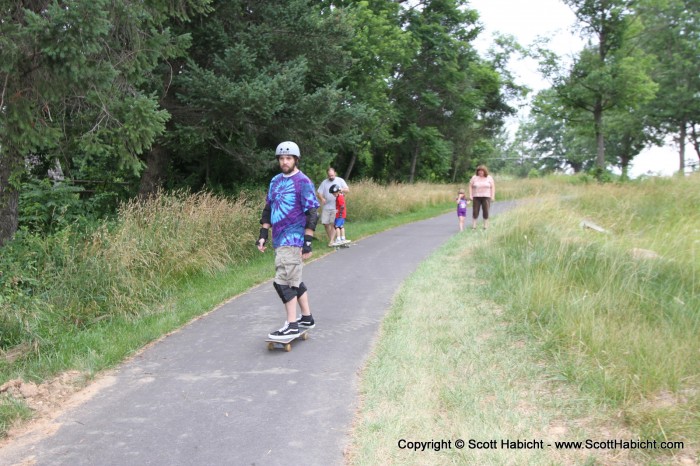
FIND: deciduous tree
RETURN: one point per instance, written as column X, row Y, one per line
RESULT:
column 445, row 92
column 611, row 72
column 672, row 35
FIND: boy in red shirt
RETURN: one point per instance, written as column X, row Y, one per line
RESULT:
column 340, row 214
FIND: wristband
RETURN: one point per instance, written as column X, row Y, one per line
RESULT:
column 263, row 236
column 307, row 244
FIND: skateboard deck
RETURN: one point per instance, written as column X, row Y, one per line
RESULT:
column 286, row 344
column 344, row 245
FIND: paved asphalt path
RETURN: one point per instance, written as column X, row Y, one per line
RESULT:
column 212, row 393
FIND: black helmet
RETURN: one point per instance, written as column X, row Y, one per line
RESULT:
column 334, row 189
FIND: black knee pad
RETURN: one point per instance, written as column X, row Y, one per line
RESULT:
column 301, row 289
column 285, row 292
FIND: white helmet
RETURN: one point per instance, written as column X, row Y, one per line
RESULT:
column 288, row 148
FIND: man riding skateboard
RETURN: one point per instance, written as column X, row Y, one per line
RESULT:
column 291, row 209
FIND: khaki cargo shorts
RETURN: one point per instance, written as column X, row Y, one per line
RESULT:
column 327, row 216
column 288, row 266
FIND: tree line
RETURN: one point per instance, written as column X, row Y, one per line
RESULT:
column 103, row 101
column 635, row 84
column 118, row 99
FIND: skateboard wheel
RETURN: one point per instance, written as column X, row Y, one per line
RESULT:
column 305, row 336
column 270, row 346
column 288, row 347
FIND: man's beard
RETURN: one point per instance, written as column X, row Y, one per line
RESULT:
column 287, row 170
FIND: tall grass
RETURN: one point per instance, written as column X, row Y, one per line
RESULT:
column 369, row 201
column 554, row 185
column 448, row 366
column 620, row 312
column 124, row 268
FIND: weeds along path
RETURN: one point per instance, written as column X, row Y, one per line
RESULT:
column 450, row 367
column 212, row 393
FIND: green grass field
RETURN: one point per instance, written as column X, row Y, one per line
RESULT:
column 543, row 329
column 449, row 365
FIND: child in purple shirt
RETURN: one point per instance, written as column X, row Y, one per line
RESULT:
column 462, row 203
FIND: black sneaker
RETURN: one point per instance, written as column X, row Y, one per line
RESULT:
column 306, row 322
column 289, row 330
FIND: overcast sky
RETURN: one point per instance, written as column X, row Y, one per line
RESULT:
column 528, row 19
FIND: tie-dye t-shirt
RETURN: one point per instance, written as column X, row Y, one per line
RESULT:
column 289, row 199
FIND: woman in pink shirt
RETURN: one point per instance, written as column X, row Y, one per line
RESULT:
column 482, row 190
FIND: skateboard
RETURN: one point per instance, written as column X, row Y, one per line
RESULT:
column 286, row 344
column 344, row 245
